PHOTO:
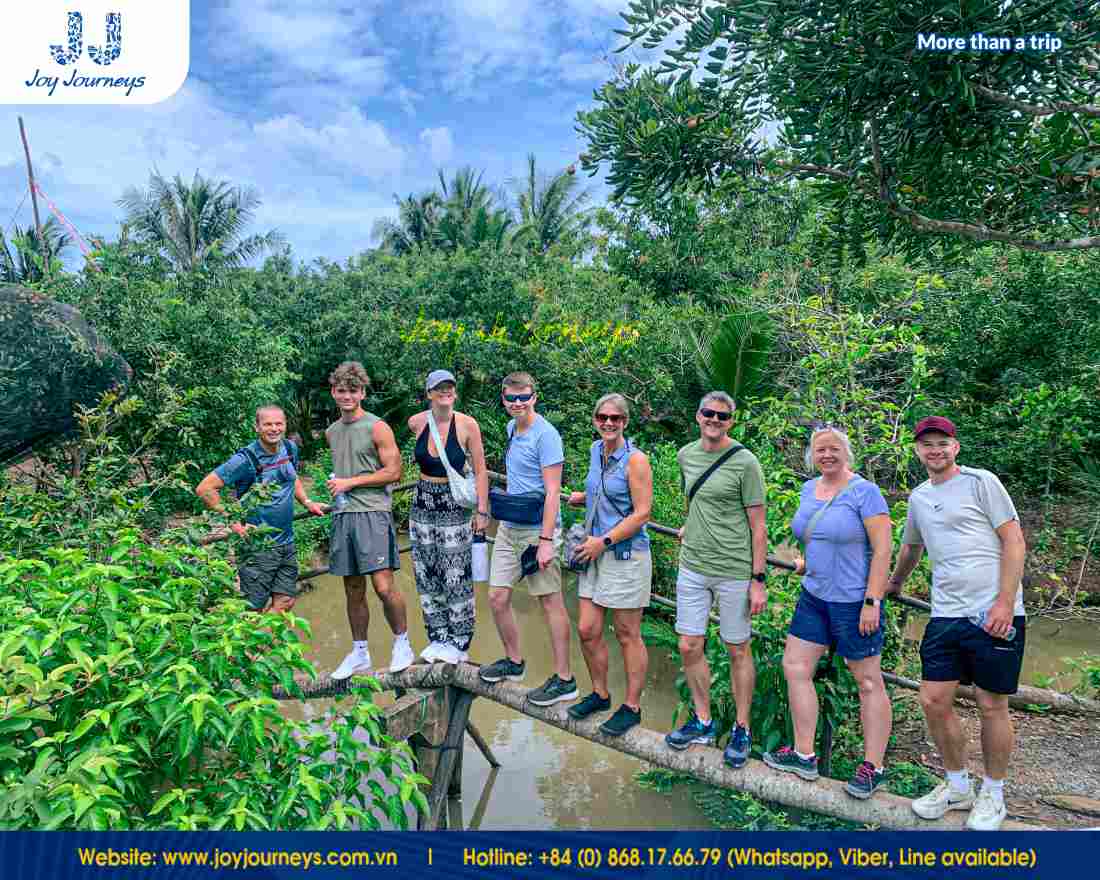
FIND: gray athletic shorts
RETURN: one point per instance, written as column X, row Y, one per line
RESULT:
column 695, row 593
column 265, row 572
column 362, row 542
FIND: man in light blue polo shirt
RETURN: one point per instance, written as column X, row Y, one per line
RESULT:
column 533, row 463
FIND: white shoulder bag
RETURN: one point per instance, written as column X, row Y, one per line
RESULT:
column 463, row 488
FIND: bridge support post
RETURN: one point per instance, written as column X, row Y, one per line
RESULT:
column 449, row 758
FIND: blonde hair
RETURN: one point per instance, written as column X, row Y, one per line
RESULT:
column 269, row 407
column 518, row 379
column 840, row 435
column 617, row 401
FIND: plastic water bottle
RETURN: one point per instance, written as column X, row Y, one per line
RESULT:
column 340, row 500
column 979, row 621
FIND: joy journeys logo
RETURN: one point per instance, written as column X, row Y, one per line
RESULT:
column 152, row 67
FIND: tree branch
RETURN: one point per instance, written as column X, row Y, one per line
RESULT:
column 946, row 227
column 1035, row 109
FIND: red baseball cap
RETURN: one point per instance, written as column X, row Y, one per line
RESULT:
column 934, row 423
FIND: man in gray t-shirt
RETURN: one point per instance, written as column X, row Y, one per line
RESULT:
column 965, row 519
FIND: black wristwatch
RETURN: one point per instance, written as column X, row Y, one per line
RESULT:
column 760, row 577
column 607, row 542
column 871, row 602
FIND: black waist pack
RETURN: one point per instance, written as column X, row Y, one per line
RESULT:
column 524, row 508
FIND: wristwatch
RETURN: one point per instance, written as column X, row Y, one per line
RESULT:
column 760, row 576
column 607, row 542
column 871, row 602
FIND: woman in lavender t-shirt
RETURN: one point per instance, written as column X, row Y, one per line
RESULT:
column 844, row 524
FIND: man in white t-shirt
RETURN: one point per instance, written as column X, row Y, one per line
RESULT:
column 965, row 519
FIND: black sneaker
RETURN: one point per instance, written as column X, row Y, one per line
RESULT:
column 866, row 781
column 590, row 704
column 503, row 668
column 623, row 719
column 554, row 691
column 787, row 759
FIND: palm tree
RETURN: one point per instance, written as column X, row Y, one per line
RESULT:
column 735, row 358
column 469, row 217
column 549, row 211
column 415, row 227
column 197, row 223
column 25, row 264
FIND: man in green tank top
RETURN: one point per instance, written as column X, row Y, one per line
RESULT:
column 365, row 462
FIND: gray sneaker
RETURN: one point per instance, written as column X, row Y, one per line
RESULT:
column 503, row 668
column 554, row 691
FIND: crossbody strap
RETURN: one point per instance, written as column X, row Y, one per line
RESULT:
column 737, row 447
column 440, row 448
column 816, row 518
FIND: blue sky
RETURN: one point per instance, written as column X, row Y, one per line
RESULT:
column 329, row 107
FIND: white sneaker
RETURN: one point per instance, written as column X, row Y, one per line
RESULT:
column 402, row 656
column 432, row 653
column 988, row 813
column 356, row 661
column 451, row 654
column 941, row 799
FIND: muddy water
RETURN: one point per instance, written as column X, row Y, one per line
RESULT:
column 548, row 778
column 1048, row 641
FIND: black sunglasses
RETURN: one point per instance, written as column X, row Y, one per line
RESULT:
column 716, row 414
column 521, row 398
column 613, row 418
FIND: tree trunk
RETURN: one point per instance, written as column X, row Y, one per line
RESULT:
column 826, row 796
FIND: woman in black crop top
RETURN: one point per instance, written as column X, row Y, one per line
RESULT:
column 440, row 529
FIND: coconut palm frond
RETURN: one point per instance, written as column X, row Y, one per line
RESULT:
column 735, row 358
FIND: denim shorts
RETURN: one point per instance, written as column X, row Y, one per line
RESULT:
column 836, row 623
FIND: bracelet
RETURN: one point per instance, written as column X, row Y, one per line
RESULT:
column 544, row 538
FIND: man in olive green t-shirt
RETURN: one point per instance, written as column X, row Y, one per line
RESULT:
column 723, row 553
column 365, row 462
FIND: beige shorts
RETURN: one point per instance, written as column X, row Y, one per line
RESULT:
column 695, row 595
column 618, row 583
column 505, row 569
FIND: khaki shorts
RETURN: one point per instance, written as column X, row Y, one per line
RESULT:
column 618, row 583
column 505, row 570
column 695, row 594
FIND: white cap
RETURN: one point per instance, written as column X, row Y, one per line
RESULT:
column 435, row 377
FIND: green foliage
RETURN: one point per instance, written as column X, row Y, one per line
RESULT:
column 33, row 257
column 735, row 359
column 136, row 688
column 901, row 142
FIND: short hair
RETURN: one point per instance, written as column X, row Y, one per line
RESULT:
column 720, row 396
column 617, row 401
column 350, row 373
column 266, row 407
column 840, row 434
column 519, row 379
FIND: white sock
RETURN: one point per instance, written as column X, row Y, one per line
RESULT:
column 359, row 647
column 959, row 780
column 402, row 637
column 995, row 787
column 804, row 757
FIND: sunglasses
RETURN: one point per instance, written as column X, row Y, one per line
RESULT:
column 613, row 418
column 716, row 414
column 519, row 398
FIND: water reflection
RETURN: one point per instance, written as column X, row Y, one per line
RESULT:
column 549, row 779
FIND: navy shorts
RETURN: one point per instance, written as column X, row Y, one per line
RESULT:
column 953, row 649
column 836, row 623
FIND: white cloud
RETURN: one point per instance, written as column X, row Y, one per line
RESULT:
column 440, row 143
column 350, row 143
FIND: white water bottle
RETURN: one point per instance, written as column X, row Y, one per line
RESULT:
column 979, row 621
column 479, row 557
column 340, row 500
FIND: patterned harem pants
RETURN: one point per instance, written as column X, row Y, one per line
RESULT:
column 441, row 534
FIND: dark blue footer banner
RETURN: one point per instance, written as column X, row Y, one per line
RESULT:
column 28, row 855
